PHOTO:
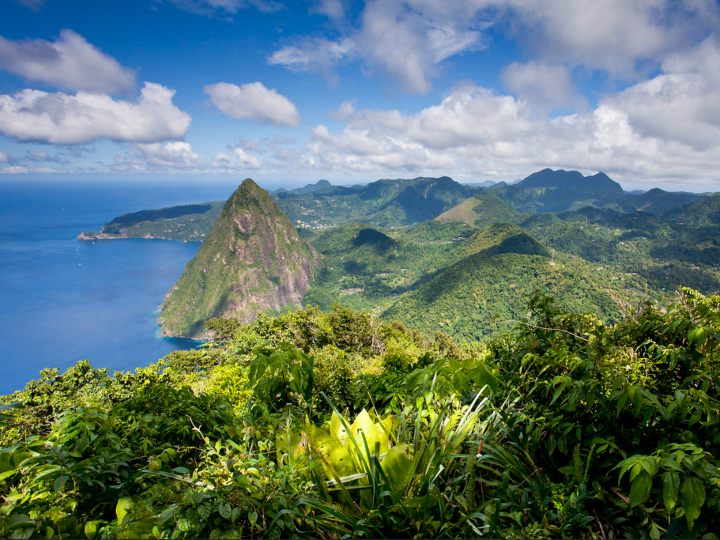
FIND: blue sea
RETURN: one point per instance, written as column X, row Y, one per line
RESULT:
column 62, row 300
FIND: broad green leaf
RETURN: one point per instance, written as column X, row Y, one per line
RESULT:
column 671, row 483
column 397, row 466
column 91, row 529
column 696, row 336
column 640, row 488
column 59, row 484
column 337, row 429
column 123, row 506
column 225, row 510
column 692, row 497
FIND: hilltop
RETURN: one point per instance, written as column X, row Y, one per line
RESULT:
column 251, row 261
column 436, row 254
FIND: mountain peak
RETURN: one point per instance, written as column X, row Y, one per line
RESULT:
column 570, row 179
column 248, row 188
column 252, row 260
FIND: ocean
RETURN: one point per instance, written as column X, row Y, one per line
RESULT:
column 62, row 300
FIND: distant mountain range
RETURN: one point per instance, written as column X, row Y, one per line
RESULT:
column 388, row 203
column 435, row 253
column 560, row 191
column 403, row 202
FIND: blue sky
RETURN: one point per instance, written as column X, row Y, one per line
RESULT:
column 290, row 92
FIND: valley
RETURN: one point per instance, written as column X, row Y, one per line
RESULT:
column 439, row 255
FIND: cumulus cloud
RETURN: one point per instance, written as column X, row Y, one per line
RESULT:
column 475, row 133
column 681, row 104
column 33, row 115
column 611, row 35
column 405, row 39
column 70, row 62
column 409, row 39
column 175, row 156
column 237, row 159
column 253, row 101
column 4, row 157
column 172, row 155
column 546, row 86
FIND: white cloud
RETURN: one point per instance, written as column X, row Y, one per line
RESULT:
column 74, row 119
column 409, row 39
column 70, row 62
column 611, row 35
column 406, row 42
column 405, row 39
column 313, row 55
column 476, row 133
column 253, row 101
column 237, row 159
column 681, row 104
column 545, row 85
column 172, row 155
column 176, row 156
column 15, row 169
column 332, row 9
column 4, row 158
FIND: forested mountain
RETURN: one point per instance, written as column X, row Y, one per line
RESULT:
column 603, row 258
column 512, row 372
column 186, row 223
column 251, row 261
column 467, row 282
column 560, row 191
column 482, row 209
column 403, row 202
column 388, row 203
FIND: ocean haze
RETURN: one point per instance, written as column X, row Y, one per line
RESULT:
column 64, row 300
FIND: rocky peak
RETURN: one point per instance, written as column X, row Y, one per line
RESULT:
column 252, row 261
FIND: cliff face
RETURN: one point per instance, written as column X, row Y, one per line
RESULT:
column 253, row 260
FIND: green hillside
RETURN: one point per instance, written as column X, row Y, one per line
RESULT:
column 251, row 261
column 339, row 425
column 480, row 210
column 187, row 223
column 467, row 282
column 386, row 203
column 487, row 291
column 666, row 254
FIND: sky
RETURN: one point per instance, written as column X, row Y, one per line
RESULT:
column 288, row 92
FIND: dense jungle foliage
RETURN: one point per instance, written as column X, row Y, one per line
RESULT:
column 338, row 425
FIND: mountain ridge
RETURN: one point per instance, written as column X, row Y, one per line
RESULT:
column 252, row 261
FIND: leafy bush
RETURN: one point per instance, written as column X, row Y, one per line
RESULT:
column 338, row 425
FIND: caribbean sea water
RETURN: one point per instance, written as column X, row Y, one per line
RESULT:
column 62, row 300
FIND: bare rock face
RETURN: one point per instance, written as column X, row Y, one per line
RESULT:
column 252, row 261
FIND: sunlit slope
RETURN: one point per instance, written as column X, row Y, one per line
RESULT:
column 251, row 261
column 480, row 210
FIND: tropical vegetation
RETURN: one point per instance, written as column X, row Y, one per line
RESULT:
column 337, row 424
